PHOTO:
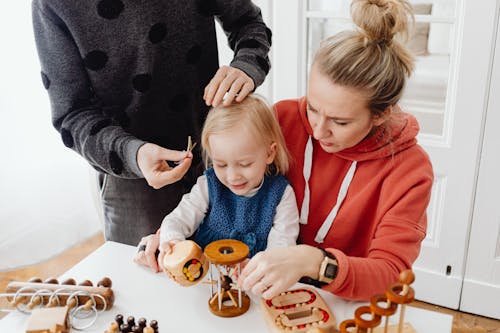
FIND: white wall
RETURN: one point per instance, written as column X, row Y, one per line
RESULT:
column 46, row 204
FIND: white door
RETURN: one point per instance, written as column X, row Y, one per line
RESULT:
column 481, row 288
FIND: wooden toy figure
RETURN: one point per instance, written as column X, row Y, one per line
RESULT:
column 298, row 311
column 225, row 256
column 368, row 318
column 186, row 264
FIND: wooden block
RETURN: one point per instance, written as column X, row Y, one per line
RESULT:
column 407, row 328
column 49, row 320
column 298, row 311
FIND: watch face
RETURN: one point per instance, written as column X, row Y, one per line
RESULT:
column 331, row 271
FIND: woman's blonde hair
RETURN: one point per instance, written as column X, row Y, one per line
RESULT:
column 259, row 118
column 371, row 58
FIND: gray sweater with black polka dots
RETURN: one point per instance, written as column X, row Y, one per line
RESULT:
column 123, row 72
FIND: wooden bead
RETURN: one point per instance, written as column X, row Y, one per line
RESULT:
column 148, row 330
column 69, row 282
column 407, row 277
column 87, row 283
column 131, row 321
column 35, row 280
column 105, row 282
column 51, row 281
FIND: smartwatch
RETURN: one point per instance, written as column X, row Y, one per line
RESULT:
column 328, row 268
column 327, row 271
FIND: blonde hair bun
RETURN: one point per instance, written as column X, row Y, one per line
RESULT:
column 381, row 20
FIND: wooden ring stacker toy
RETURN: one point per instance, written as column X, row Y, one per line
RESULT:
column 299, row 311
column 186, row 264
column 399, row 293
column 225, row 255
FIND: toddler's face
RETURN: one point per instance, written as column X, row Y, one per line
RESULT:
column 240, row 159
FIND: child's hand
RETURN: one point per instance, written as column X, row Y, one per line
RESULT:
column 166, row 248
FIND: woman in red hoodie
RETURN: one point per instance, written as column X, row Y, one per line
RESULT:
column 361, row 181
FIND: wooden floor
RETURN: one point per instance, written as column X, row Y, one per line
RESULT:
column 462, row 322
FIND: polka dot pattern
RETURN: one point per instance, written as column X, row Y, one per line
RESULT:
column 45, row 80
column 194, row 54
column 95, row 60
column 99, row 126
column 67, row 138
column 157, row 33
column 179, row 102
column 141, row 82
column 207, row 7
column 110, row 9
column 115, row 163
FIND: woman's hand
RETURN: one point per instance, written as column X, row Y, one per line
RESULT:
column 274, row 271
column 152, row 160
column 146, row 254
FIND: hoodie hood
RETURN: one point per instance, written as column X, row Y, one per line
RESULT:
column 396, row 134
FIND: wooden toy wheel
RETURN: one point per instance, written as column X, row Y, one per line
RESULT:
column 226, row 252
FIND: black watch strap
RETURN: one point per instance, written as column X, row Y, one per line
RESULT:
column 314, row 282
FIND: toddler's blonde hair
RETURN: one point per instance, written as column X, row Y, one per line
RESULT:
column 259, row 118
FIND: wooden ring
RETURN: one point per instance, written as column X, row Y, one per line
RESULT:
column 226, row 252
column 346, row 324
column 393, row 293
column 389, row 310
column 363, row 323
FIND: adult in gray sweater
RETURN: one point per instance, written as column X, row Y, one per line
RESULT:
column 129, row 81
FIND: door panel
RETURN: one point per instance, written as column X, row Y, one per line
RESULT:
column 481, row 288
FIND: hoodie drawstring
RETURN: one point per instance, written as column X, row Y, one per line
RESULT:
column 344, row 187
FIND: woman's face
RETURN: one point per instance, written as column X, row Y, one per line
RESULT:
column 339, row 115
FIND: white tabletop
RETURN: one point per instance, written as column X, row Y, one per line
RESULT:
column 142, row 293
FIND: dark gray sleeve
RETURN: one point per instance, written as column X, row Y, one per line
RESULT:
column 76, row 112
column 248, row 37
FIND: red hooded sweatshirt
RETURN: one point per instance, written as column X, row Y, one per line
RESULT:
column 382, row 220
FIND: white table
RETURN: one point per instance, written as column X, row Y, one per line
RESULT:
column 142, row 293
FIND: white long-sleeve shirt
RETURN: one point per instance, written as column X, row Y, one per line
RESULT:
column 185, row 219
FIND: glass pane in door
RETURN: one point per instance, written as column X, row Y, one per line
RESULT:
column 431, row 42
